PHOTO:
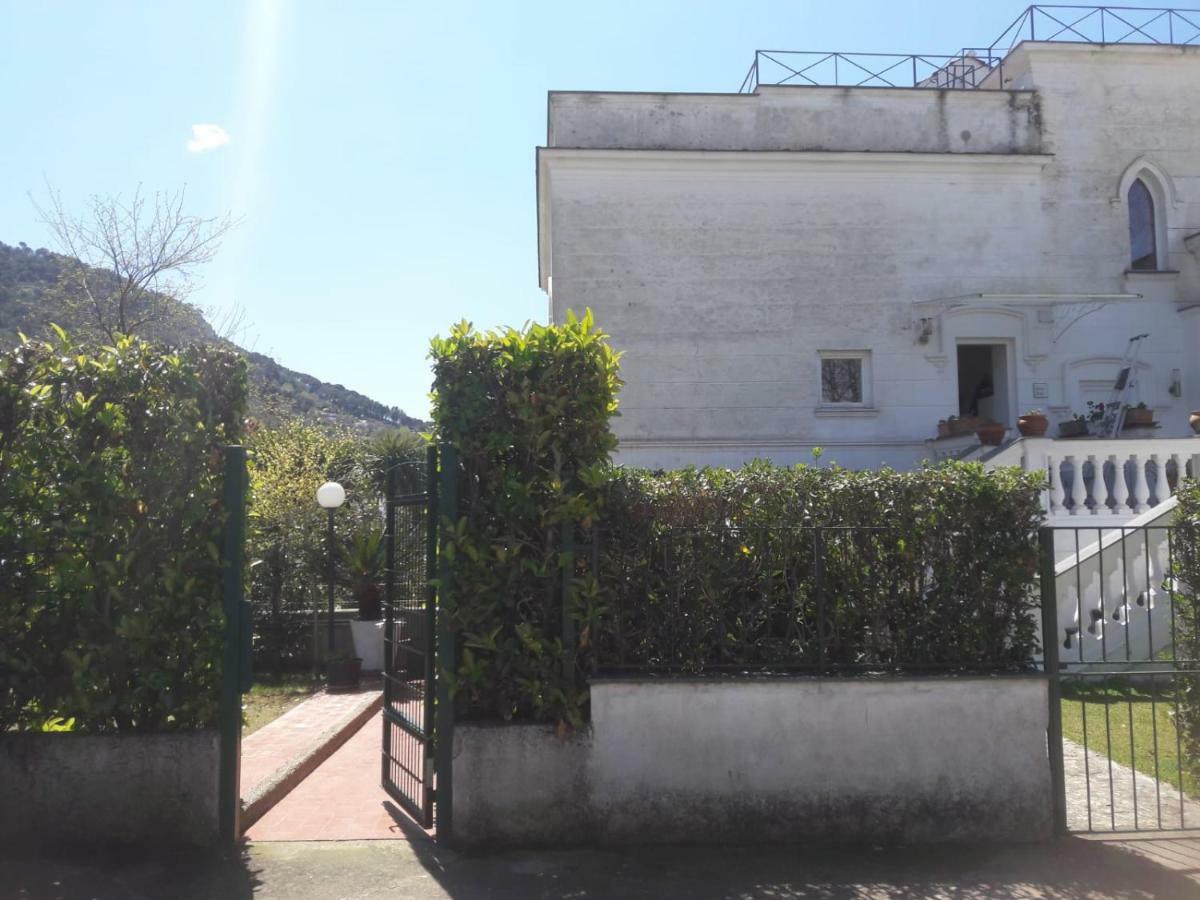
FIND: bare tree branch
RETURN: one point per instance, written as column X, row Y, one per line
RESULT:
column 128, row 256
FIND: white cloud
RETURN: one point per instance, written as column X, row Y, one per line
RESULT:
column 207, row 136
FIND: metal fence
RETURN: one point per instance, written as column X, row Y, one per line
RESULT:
column 975, row 67
column 1127, row 669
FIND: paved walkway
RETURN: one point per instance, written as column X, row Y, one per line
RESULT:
column 341, row 800
column 1072, row 869
column 1120, row 798
column 290, row 737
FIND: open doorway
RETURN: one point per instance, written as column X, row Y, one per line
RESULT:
column 983, row 381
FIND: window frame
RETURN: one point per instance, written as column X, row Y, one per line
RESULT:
column 1156, row 237
column 866, row 378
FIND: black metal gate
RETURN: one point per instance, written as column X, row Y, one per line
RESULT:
column 1120, row 673
column 410, row 636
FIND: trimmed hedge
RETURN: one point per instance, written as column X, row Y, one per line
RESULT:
column 808, row 568
column 698, row 570
column 1186, row 597
column 110, row 525
column 527, row 412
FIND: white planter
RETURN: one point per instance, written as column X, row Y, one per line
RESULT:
column 368, row 643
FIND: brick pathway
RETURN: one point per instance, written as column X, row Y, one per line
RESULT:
column 277, row 744
column 341, row 800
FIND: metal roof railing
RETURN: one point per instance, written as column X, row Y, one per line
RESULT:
column 970, row 67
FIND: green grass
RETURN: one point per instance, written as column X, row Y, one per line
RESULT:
column 272, row 696
column 1152, row 716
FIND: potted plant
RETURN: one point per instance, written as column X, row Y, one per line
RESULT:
column 960, row 425
column 363, row 560
column 343, row 672
column 1033, row 423
column 1076, row 426
column 1194, row 420
column 1139, row 416
column 991, row 434
column 943, row 428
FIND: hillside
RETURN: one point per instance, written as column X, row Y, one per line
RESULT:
column 30, row 299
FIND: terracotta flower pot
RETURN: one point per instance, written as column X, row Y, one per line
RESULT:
column 1194, row 421
column 991, row 434
column 964, row 425
column 1139, row 418
column 1034, row 425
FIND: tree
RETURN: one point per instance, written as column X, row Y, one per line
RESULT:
column 130, row 259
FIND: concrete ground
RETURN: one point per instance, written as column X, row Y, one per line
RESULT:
column 420, row 869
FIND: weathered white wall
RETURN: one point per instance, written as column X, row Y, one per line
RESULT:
column 154, row 789
column 817, row 118
column 716, row 760
column 722, row 272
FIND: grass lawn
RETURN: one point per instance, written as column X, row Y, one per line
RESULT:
column 1148, row 719
column 273, row 695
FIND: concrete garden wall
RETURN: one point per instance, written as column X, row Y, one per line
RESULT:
column 145, row 789
column 896, row 760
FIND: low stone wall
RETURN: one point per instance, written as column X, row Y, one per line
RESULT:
column 896, row 761
column 153, row 789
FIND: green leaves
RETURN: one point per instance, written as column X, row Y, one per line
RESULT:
column 711, row 568
column 528, row 412
column 1184, row 586
column 110, row 473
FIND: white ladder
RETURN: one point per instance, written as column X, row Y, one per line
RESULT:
column 1126, row 383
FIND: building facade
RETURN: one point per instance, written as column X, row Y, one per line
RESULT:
column 812, row 265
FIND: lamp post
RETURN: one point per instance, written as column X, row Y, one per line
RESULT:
column 330, row 496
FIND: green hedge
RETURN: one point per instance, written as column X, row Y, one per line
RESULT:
column 812, row 568
column 527, row 412
column 110, row 524
column 1186, row 597
column 698, row 570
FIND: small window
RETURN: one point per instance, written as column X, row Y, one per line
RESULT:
column 1143, row 241
column 845, row 377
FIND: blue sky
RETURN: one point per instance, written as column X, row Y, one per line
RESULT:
column 380, row 154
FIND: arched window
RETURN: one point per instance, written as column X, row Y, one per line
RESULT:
column 1143, row 240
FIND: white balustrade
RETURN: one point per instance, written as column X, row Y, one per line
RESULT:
column 1115, row 479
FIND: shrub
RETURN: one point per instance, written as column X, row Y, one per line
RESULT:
column 286, row 540
column 814, row 568
column 110, row 528
column 527, row 412
column 1186, row 597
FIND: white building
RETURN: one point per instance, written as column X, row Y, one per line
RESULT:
column 843, row 265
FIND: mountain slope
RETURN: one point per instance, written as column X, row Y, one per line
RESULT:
column 31, row 298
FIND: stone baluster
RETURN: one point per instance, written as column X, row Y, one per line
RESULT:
column 1120, row 487
column 1078, row 491
column 1178, row 464
column 1097, row 491
column 1101, row 491
column 1056, row 488
column 1141, row 488
column 1160, row 480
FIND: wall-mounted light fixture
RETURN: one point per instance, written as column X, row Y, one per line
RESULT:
column 1176, row 387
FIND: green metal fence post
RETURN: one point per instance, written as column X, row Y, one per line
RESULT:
column 447, row 514
column 1054, row 742
column 389, row 616
column 234, row 671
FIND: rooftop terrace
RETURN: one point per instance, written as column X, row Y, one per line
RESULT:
column 976, row 67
